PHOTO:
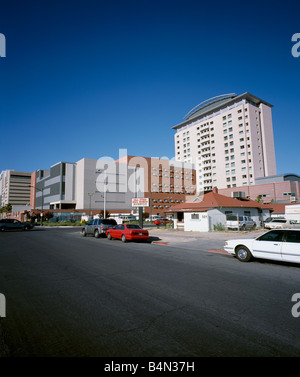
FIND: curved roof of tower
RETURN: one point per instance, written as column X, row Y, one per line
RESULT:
column 214, row 104
column 209, row 104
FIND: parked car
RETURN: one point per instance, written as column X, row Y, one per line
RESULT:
column 128, row 232
column 281, row 223
column 98, row 227
column 162, row 220
column 240, row 222
column 277, row 244
column 11, row 224
column 154, row 217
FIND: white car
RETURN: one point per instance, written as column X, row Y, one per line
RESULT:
column 282, row 223
column 277, row 244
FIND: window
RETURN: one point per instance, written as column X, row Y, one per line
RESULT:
column 293, row 236
column 274, row 235
column 195, row 216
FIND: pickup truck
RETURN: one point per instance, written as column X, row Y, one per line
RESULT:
column 239, row 222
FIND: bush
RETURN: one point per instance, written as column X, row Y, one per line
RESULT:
column 219, row 227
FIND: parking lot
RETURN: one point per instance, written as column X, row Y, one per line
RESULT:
column 68, row 295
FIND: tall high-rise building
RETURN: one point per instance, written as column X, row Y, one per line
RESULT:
column 15, row 188
column 229, row 139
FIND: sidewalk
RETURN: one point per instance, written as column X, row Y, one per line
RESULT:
column 171, row 236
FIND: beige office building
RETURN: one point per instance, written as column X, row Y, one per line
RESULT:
column 229, row 139
column 14, row 188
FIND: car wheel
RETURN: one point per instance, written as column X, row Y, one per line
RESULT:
column 97, row 234
column 243, row 254
column 244, row 227
column 27, row 227
column 123, row 238
column 2, row 229
column 83, row 232
column 109, row 236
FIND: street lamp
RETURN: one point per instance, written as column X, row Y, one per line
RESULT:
column 42, row 191
column 90, row 194
column 104, row 190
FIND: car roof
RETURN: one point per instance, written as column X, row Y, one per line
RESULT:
column 285, row 229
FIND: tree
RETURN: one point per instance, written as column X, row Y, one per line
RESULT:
column 101, row 214
column 259, row 199
column 47, row 215
column 5, row 209
column 8, row 207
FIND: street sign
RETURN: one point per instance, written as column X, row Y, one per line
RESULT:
column 140, row 202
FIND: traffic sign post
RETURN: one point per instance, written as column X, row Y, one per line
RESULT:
column 140, row 203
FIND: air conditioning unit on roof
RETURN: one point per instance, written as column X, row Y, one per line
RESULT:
column 238, row 194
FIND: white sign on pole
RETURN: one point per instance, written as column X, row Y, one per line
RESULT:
column 140, row 202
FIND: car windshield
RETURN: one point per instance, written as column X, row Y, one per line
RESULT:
column 133, row 226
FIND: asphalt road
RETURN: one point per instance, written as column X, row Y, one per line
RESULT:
column 72, row 296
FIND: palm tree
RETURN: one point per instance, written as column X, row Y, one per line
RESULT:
column 8, row 207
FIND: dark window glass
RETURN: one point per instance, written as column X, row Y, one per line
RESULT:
column 293, row 236
column 274, row 235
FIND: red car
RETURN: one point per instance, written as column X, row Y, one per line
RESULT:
column 162, row 221
column 128, row 232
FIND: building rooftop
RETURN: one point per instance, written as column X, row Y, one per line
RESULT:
column 216, row 103
column 215, row 200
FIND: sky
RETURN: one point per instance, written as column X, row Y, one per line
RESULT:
column 87, row 78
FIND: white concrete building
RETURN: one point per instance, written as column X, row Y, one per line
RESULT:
column 87, row 184
column 210, row 210
column 229, row 139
